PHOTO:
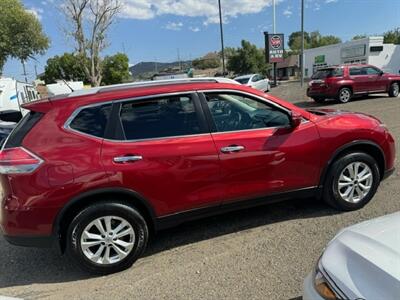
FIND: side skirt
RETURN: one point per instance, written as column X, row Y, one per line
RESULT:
column 172, row 220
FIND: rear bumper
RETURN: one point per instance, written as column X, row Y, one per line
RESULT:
column 388, row 173
column 31, row 241
column 326, row 93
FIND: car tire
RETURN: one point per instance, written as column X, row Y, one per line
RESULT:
column 364, row 181
column 109, row 253
column 394, row 89
column 344, row 95
column 319, row 100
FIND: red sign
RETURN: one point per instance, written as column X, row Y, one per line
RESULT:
column 275, row 47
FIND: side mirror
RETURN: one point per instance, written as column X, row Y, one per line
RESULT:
column 296, row 119
column 381, row 73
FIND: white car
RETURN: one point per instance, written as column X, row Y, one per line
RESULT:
column 361, row 262
column 256, row 81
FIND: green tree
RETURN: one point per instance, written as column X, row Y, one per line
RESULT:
column 21, row 34
column 392, row 36
column 115, row 69
column 359, row 37
column 311, row 40
column 209, row 61
column 68, row 67
column 247, row 59
column 294, row 41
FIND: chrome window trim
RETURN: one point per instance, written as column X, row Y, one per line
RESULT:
column 67, row 124
column 248, row 95
column 259, row 98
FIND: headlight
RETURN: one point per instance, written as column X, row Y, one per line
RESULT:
column 322, row 286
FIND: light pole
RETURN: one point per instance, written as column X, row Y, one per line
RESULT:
column 222, row 38
column 302, row 43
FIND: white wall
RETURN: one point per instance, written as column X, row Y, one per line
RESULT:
column 388, row 59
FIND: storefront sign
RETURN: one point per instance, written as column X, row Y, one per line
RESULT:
column 274, row 45
column 320, row 59
column 354, row 51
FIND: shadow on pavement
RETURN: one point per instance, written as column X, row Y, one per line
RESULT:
column 23, row 266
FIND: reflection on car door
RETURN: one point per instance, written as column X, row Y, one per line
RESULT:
column 259, row 153
column 164, row 153
column 376, row 83
column 360, row 80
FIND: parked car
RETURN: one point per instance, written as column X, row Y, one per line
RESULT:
column 256, row 81
column 361, row 262
column 344, row 82
column 5, row 130
column 97, row 176
column 13, row 94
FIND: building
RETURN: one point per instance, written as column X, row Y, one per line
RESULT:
column 289, row 69
column 370, row 50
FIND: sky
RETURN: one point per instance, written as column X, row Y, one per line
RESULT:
column 159, row 30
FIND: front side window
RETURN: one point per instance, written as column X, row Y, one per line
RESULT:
column 163, row 117
column 233, row 112
column 372, row 71
column 92, row 120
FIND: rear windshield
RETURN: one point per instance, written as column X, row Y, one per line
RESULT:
column 21, row 130
column 326, row 73
column 243, row 80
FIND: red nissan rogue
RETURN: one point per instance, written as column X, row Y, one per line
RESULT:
column 344, row 82
column 97, row 171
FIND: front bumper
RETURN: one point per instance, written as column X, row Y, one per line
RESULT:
column 309, row 292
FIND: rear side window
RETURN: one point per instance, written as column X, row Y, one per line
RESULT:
column 327, row 73
column 357, row 71
column 21, row 130
column 163, row 117
column 92, row 120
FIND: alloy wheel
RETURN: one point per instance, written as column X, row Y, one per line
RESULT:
column 107, row 240
column 355, row 182
column 344, row 95
column 396, row 90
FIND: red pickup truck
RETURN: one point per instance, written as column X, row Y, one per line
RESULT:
column 345, row 81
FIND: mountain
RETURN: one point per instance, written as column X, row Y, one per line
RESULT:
column 149, row 68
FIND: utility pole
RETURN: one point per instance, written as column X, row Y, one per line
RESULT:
column 23, row 67
column 274, row 31
column 302, row 44
column 222, row 38
column 36, row 74
column 179, row 59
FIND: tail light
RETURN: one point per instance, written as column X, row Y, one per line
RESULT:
column 18, row 161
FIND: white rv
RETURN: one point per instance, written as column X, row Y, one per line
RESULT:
column 13, row 94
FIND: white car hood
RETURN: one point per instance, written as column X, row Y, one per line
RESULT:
column 364, row 260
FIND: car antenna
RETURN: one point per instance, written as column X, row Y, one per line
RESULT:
column 65, row 82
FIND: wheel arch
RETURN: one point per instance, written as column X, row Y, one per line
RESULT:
column 365, row 146
column 76, row 204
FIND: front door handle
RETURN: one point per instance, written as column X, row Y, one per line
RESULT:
column 232, row 149
column 127, row 159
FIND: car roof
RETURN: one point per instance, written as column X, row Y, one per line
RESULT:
column 245, row 76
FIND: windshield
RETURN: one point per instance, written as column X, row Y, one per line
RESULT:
column 243, row 80
column 326, row 73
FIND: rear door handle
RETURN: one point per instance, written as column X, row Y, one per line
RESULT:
column 232, row 149
column 127, row 159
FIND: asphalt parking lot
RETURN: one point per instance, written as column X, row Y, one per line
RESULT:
column 261, row 253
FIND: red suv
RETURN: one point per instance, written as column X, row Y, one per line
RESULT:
column 97, row 171
column 344, row 82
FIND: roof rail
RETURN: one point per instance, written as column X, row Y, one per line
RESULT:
column 109, row 88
